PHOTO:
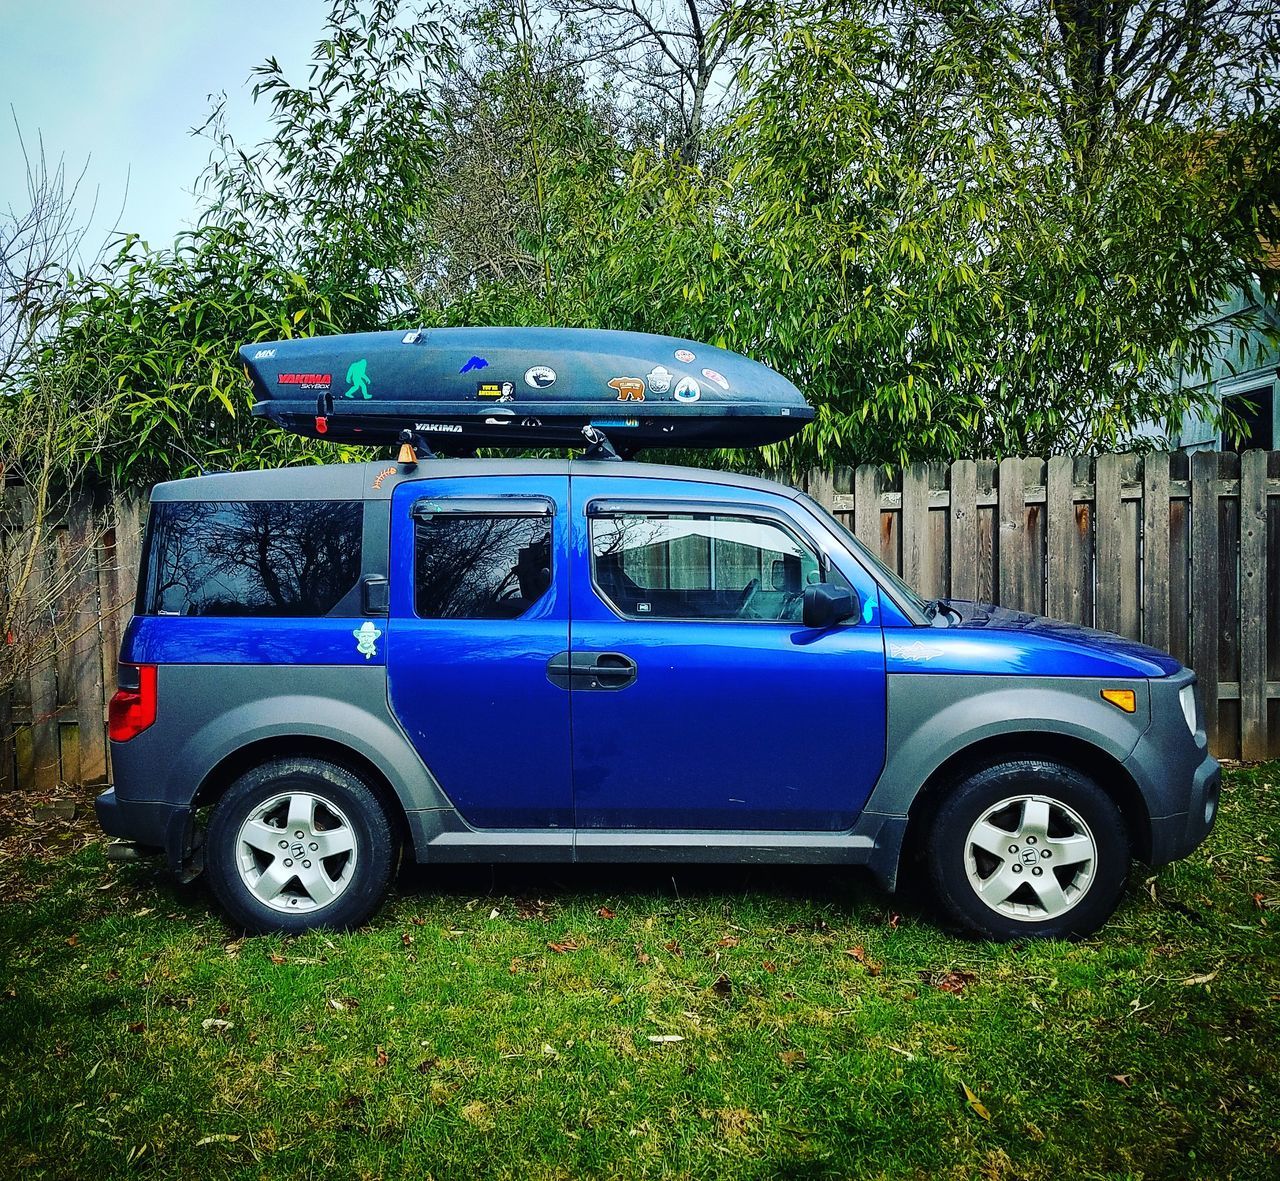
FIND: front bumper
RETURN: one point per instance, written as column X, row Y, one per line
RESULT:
column 153, row 823
column 1180, row 781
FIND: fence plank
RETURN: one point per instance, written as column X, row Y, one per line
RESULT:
column 964, row 530
column 1010, row 546
column 1204, row 583
column 1253, row 605
column 866, row 506
column 1130, row 557
column 1155, row 550
column 42, row 749
column 1107, row 542
column 1062, row 598
column 914, row 530
column 86, row 644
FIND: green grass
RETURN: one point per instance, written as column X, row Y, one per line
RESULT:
column 449, row 1041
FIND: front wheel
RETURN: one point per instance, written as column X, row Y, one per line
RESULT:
column 299, row 843
column 1028, row 849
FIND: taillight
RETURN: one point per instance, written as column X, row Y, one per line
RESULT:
column 132, row 710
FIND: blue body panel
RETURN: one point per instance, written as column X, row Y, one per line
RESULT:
column 229, row 639
column 473, row 694
column 749, row 725
column 995, row 641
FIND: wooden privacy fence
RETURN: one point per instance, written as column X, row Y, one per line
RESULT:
column 1180, row 551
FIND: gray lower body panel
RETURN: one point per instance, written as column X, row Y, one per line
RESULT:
column 874, row 842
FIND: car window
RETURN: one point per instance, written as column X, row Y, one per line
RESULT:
column 478, row 566
column 701, row 566
column 252, row 557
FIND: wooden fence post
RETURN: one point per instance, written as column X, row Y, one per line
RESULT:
column 1010, row 553
column 964, row 529
column 1155, row 550
column 1253, row 605
column 1204, row 584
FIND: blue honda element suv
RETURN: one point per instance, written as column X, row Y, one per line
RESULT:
column 331, row 667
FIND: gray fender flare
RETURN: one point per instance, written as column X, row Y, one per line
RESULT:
column 933, row 718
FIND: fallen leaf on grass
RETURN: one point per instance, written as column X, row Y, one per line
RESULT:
column 673, row 946
column 406, row 939
column 605, row 913
column 344, row 1004
column 380, row 1059
column 216, row 1025
column 728, row 941
column 1122, row 1079
column 563, row 946
column 642, row 956
column 793, row 1058
column 137, row 1027
column 979, row 1109
column 276, row 959
column 770, row 967
column 218, row 1138
column 73, row 940
column 665, row 1038
column 953, row 981
column 859, row 953
column 1203, row 979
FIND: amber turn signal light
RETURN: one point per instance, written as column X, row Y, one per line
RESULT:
column 1121, row 698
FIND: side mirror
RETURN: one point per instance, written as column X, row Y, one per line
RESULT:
column 825, row 605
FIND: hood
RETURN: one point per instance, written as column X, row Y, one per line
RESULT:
column 1145, row 660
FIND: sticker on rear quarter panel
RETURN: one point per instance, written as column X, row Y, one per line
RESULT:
column 366, row 637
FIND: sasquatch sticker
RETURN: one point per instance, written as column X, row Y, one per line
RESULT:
column 366, row 637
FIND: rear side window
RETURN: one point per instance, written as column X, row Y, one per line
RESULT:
column 478, row 565
column 253, row 557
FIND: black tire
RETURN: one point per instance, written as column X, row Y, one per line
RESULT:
column 344, row 810
column 1078, row 810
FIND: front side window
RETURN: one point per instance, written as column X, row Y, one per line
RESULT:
column 478, row 566
column 701, row 566
column 253, row 557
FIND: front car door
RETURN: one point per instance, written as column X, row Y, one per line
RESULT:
column 714, row 707
column 479, row 608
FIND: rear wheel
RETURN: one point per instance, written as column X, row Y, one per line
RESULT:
column 299, row 843
column 1028, row 849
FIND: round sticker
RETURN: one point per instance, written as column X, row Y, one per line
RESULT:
column 539, row 377
column 718, row 378
column 684, row 355
column 659, row 379
column 688, row 390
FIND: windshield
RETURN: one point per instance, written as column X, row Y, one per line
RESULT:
column 911, row 603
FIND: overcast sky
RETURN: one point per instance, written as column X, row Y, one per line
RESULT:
column 121, row 83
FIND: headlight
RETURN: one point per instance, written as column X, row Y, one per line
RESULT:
column 1187, row 699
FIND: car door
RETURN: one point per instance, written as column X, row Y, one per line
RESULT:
column 700, row 701
column 479, row 607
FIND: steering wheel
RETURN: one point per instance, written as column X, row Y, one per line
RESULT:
column 749, row 592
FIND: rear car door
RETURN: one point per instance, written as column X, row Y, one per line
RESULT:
column 700, row 701
column 479, row 608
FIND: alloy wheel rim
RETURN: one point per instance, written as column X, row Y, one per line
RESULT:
column 296, row 852
column 1030, row 858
